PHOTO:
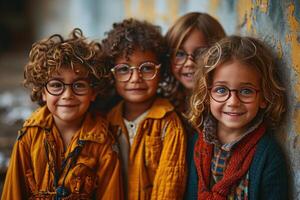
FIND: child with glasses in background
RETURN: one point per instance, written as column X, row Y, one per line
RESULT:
column 150, row 134
column 236, row 102
column 187, row 39
column 64, row 150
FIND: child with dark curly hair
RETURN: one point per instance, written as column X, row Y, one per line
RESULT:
column 64, row 150
column 149, row 132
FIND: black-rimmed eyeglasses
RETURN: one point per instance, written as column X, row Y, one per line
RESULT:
column 57, row 87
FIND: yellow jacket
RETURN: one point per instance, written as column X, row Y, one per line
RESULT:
column 157, row 168
column 39, row 148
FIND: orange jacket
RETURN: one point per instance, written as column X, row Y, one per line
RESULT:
column 96, row 171
column 157, row 168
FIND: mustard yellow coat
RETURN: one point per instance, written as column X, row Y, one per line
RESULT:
column 96, row 171
column 157, row 168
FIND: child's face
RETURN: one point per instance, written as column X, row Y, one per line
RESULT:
column 183, row 65
column 242, row 105
column 64, row 104
column 136, row 89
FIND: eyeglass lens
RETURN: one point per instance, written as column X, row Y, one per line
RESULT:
column 57, row 87
column 223, row 93
column 181, row 56
column 147, row 71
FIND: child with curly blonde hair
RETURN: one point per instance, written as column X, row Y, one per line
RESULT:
column 150, row 134
column 64, row 150
column 236, row 102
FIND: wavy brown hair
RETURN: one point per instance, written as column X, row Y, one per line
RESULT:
column 50, row 55
column 246, row 50
column 175, row 36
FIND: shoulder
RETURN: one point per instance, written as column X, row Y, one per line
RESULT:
column 94, row 128
column 115, row 114
column 40, row 119
column 268, row 156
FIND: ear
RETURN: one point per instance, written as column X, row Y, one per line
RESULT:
column 263, row 103
column 94, row 95
column 44, row 97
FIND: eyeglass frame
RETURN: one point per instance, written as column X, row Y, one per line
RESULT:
column 233, row 90
column 71, row 85
column 187, row 55
column 131, row 68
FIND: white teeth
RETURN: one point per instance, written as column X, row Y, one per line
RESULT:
column 188, row 74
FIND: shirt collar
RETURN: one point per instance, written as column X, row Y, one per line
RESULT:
column 210, row 131
column 158, row 110
column 94, row 128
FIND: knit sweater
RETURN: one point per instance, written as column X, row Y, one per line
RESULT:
column 267, row 174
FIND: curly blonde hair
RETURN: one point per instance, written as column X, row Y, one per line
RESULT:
column 251, row 52
column 50, row 55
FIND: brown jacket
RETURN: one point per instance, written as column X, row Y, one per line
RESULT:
column 157, row 168
column 39, row 150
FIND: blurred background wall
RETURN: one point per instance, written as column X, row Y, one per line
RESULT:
column 23, row 22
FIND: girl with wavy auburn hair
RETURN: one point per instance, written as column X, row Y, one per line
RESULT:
column 236, row 100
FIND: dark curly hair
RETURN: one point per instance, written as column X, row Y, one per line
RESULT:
column 50, row 55
column 132, row 34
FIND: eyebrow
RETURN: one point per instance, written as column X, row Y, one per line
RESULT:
column 242, row 83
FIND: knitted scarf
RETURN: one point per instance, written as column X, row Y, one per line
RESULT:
column 236, row 169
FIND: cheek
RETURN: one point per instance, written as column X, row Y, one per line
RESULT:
column 119, row 86
column 174, row 70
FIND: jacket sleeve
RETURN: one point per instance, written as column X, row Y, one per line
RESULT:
column 269, row 172
column 109, row 174
column 170, row 178
column 15, row 186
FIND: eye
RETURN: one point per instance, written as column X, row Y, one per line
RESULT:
column 122, row 69
column 147, row 67
column 55, row 84
column 247, row 91
column 220, row 90
column 199, row 52
column 180, row 54
column 80, row 85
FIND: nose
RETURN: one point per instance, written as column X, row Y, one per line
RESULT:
column 233, row 99
column 68, row 92
column 135, row 76
column 190, row 62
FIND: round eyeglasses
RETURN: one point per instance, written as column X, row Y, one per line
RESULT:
column 222, row 93
column 56, row 87
column 180, row 56
column 147, row 71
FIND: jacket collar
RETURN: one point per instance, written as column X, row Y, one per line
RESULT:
column 94, row 127
column 158, row 110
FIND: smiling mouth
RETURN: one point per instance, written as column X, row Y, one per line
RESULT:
column 67, row 106
column 234, row 113
column 189, row 75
